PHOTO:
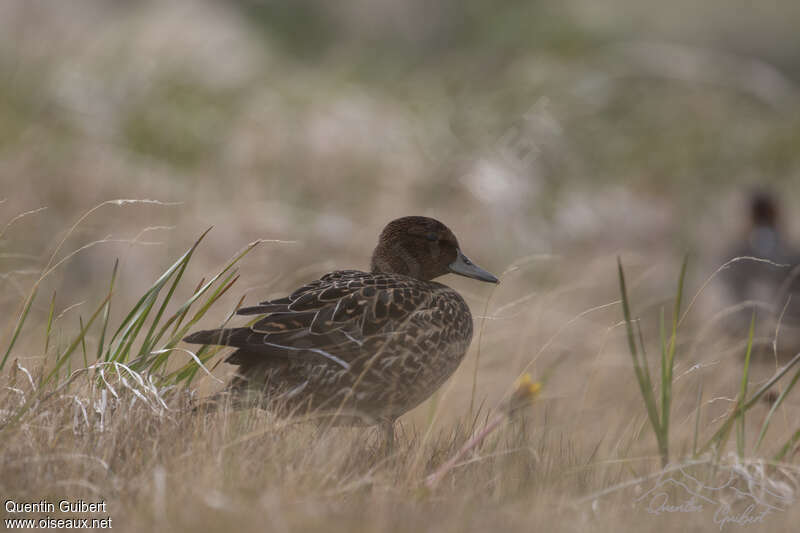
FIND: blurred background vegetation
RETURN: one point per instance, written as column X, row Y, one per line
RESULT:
column 568, row 131
column 550, row 136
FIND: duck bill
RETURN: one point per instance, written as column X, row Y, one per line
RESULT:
column 464, row 267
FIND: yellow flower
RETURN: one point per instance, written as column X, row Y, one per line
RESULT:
column 525, row 390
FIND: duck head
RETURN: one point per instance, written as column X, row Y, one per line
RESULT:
column 425, row 249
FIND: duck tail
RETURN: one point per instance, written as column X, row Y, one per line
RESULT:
column 222, row 337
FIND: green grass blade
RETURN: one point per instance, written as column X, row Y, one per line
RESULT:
column 75, row 343
column 721, row 436
column 774, row 379
column 645, row 386
column 20, row 322
column 141, row 308
column 149, row 340
column 181, row 314
column 698, row 411
column 198, row 293
column 661, row 436
column 754, row 399
column 626, row 311
column 188, row 372
column 740, row 443
column 133, row 328
column 83, row 345
column 161, row 359
column 47, row 378
column 662, row 333
column 49, row 327
column 788, row 446
column 107, row 311
column 152, row 364
column 212, row 351
column 645, row 365
column 668, row 364
column 774, row 408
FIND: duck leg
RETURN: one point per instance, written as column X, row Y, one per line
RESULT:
column 388, row 434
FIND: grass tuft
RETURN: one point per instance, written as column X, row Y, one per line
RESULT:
column 660, row 425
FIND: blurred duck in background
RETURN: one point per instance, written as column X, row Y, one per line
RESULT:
column 771, row 285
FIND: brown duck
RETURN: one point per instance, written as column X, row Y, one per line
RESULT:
column 362, row 347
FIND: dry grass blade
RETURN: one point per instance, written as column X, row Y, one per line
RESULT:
column 53, row 374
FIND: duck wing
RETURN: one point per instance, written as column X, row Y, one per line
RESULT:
column 338, row 318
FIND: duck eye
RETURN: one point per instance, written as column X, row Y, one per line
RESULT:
column 433, row 237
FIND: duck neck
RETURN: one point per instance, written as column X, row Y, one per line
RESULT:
column 397, row 260
column 394, row 261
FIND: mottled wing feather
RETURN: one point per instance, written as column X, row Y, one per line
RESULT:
column 336, row 312
column 262, row 309
column 283, row 322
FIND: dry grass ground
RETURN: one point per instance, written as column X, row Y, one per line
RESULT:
column 157, row 465
column 551, row 139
